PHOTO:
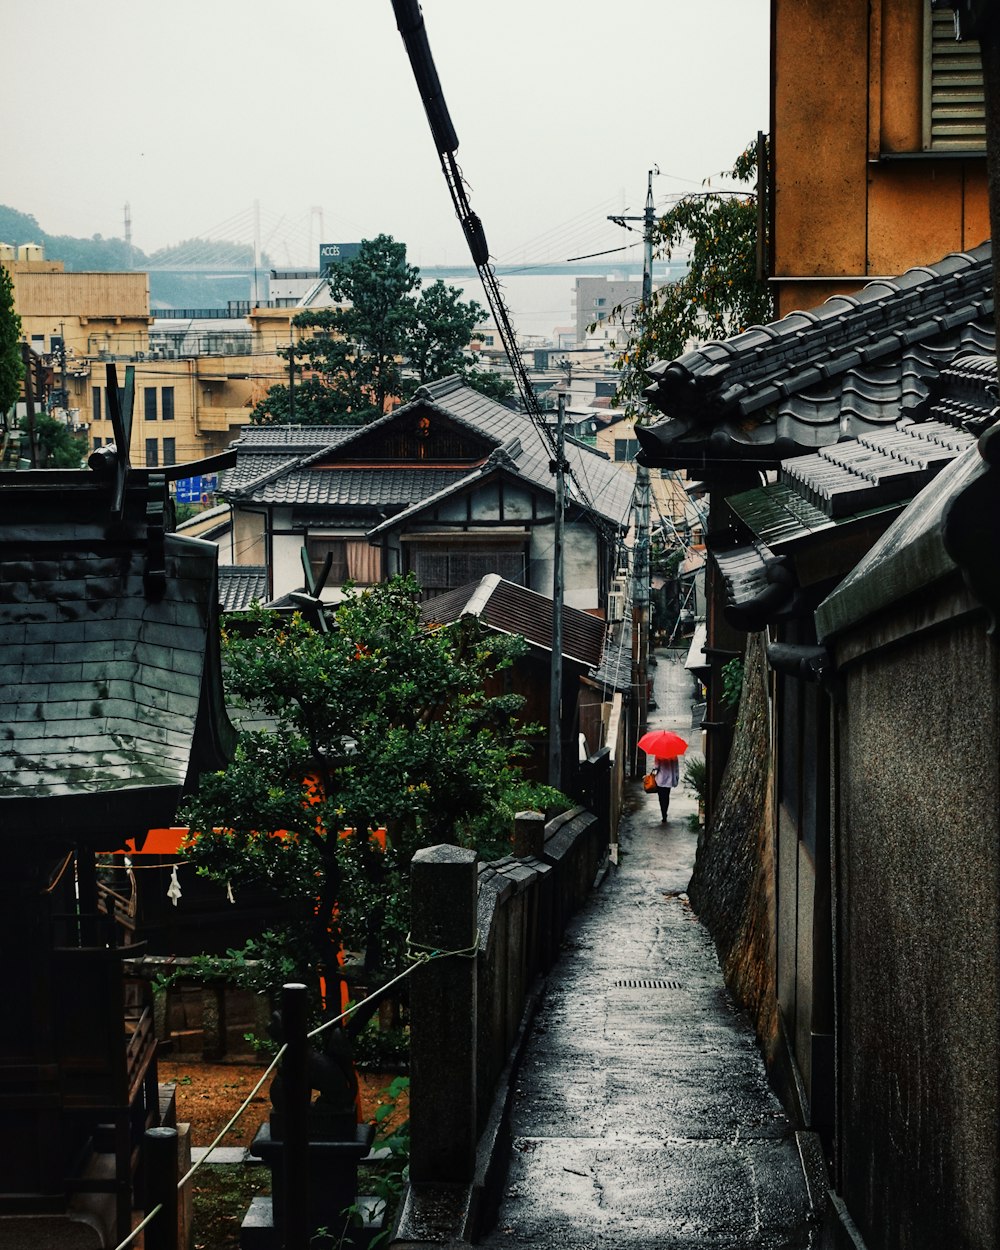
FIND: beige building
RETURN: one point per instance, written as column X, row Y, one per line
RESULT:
column 185, row 407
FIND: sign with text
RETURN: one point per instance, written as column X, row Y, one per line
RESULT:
column 196, row 489
column 331, row 254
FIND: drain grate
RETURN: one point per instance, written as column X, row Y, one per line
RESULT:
column 648, row 984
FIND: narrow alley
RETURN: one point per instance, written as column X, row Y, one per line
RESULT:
column 643, row 1116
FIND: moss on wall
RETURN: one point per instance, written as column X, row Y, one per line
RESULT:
column 732, row 888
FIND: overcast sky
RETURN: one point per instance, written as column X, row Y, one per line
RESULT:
column 193, row 111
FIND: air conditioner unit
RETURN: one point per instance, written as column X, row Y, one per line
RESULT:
column 616, row 605
column 618, row 586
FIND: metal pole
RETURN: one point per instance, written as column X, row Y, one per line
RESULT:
column 295, row 1082
column 555, row 680
column 640, row 584
column 291, row 381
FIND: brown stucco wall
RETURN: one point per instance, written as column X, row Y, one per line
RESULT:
column 918, row 942
column 847, row 102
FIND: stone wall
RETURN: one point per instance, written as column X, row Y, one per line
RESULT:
column 462, row 1082
column 918, row 915
column 732, row 887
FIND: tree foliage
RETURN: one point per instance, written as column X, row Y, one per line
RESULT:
column 385, row 338
column 720, row 295
column 11, row 366
column 54, row 443
column 376, row 724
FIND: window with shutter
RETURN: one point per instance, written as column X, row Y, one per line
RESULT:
column 439, row 568
column 954, row 110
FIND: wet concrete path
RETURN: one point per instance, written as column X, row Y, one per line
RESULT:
column 643, row 1116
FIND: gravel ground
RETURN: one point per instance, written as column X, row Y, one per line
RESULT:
column 209, row 1094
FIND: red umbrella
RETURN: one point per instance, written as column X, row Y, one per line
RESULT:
column 663, row 743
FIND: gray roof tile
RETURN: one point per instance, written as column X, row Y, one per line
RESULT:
column 864, row 482
column 240, row 585
column 327, row 478
column 108, row 693
column 817, row 377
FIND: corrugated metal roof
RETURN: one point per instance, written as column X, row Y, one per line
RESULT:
column 512, row 609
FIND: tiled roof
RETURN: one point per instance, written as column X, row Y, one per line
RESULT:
column 512, row 609
column 848, row 493
column 263, row 450
column 110, row 694
column 836, row 372
column 951, row 525
column 595, row 482
column 293, row 438
column 249, row 468
column 240, row 585
column 336, row 486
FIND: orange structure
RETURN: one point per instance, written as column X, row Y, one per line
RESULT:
column 878, row 156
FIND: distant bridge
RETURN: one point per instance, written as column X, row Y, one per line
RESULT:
column 663, row 271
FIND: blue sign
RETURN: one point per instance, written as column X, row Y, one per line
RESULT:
column 331, row 254
column 196, row 489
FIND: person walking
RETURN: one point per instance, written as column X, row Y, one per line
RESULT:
column 666, row 775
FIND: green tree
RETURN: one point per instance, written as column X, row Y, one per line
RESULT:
column 56, row 446
column 378, row 289
column 11, row 366
column 721, row 293
column 439, row 338
column 377, row 723
column 387, row 338
column 497, row 385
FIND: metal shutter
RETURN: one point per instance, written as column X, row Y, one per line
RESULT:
column 954, row 111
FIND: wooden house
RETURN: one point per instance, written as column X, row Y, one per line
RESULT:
column 110, row 705
column 450, row 487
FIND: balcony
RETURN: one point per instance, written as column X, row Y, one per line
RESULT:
column 216, row 420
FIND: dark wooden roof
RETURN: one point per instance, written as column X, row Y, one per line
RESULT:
column 816, row 378
column 110, row 688
column 512, row 609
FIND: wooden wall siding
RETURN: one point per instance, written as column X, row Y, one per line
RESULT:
column 421, row 436
column 488, row 501
column 857, row 191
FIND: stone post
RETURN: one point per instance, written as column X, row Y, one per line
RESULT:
column 529, row 834
column 295, row 1079
column 160, row 1150
column 443, row 883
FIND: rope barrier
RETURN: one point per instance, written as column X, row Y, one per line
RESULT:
column 424, row 955
column 470, row 952
column 139, row 1227
column 246, row 1103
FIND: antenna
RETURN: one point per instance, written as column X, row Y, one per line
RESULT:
column 128, row 234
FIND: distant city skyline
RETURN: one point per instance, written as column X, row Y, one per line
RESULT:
column 207, row 118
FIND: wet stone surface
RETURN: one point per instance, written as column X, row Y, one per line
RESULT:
column 642, row 1113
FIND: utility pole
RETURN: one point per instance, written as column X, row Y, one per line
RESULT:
column 640, row 512
column 291, row 381
column 62, row 352
column 558, row 467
